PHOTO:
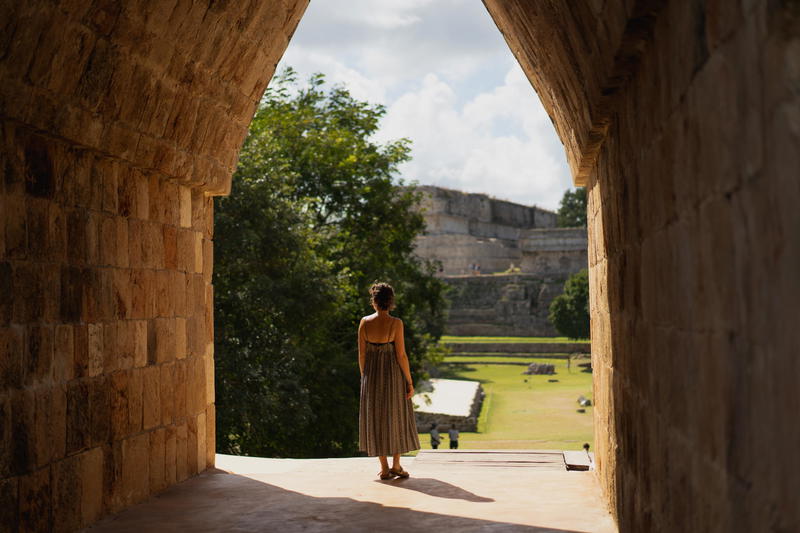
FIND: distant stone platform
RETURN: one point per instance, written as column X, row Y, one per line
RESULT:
column 447, row 402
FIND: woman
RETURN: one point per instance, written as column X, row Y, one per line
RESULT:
column 386, row 418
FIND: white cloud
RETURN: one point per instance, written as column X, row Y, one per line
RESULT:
column 450, row 84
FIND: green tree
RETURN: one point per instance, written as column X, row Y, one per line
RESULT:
column 572, row 211
column 569, row 311
column 315, row 215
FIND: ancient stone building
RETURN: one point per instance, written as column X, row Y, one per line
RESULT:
column 504, row 262
column 119, row 120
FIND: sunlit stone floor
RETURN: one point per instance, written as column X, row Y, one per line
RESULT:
column 464, row 491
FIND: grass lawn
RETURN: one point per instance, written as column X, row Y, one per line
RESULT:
column 526, row 415
column 478, row 340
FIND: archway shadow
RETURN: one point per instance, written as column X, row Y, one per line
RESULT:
column 435, row 487
column 220, row 501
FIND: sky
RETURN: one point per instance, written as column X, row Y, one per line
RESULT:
column 449, row 83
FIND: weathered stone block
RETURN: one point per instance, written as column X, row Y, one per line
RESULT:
column 35, row 502
column 179, row 387
column 164, row 304
column 181, row 451
column 211, row 435
column 78, row 417
column 185, row 249
column 49, row 435
column 136, row 468
column 167, row 393
column 91, row 483
column 81, row 354
column 151, row 397
column 140, row 328
column 170, row 455
column 185, row 207
column 178, row 293
column 100, row 403
column 157, row 467
column 160, row 340
column 63, row 354
column 135, row 238
column 95, row 347
column 12, row 357
column 7, row 290
column 170, row 247
column 9, row 503
column 192, row 446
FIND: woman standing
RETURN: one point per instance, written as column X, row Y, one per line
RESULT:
column 386, row 418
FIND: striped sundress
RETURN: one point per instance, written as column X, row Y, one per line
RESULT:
column 386, row 423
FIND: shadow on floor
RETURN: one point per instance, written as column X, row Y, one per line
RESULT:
column 434, row 487
column 219, row 501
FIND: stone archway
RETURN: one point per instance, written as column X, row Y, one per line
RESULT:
column 119, row 123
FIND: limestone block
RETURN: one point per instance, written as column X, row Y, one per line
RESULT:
column 211, row 435
column 161, row 340
column 180, row 338
column 192, row 440
column 7, row 290
column 167, row 392
column 152, row 245
column 78, row 417
column 95, row 347
column 181, row 457
column 136, row 468
column 119, row 405
column 16, row 238
column 37, row 223
column 12, row 354
column 208, row 260
column 135, row 238
column 100, row 404
column 151, row 397
column 170, row 455
column 80, row 334
column 111, row 347
column 202, row 442
column 164, row 304
column 135, row 400
column 39, row 355
column 157, row 465
column 178, row 293
column 63, row 354
column 186, row 251
column 179, row 387
column 209, row 378
column 28, row 293
column 91, row 483
column 35, row 503
column 108, row 241
column 185, row 207
column 170, row 247
column 197, row 263
column 123, row 245
column 9, row 503
column 140, row 328
column 50, row 434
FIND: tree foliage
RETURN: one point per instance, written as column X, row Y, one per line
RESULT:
column 569, row 311
column 572, row 210
column 315, row 215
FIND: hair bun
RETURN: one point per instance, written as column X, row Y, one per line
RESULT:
column 382, row 295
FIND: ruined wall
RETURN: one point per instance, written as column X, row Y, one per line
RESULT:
column 687, row 129
column 501, row 304
column 467, row 228
column 116, row 123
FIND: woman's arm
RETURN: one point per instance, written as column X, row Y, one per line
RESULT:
column 402, row 358
column 362, row 346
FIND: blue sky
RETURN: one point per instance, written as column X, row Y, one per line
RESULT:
column 449, row 83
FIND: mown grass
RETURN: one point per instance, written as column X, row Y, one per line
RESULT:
column 526, row 412
column 478, row 340
column 505, row 358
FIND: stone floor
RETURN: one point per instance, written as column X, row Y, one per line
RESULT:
column 463, row 491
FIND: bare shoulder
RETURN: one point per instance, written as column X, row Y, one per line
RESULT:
column 398, row 321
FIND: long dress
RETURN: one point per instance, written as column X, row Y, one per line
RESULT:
column 386, row 423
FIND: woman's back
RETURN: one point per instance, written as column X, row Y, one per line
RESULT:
column 379, row 329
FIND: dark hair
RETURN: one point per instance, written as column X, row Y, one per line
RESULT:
column 382, row 295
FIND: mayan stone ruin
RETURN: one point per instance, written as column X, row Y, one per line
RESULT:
column 120, row 120
column 524, row 260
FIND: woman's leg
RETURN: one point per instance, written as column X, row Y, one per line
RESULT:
column 396, row 462
column 384, row 464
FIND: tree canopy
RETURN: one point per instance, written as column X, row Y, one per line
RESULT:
column 569, row 311
column 316, row 214
column 572, row 210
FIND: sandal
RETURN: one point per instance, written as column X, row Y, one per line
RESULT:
column 402, row 474
column 388, row 475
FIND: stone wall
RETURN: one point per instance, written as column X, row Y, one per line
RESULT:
column 117, row 120
column 501, row 304
column 687, row 132
column 464, row 229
